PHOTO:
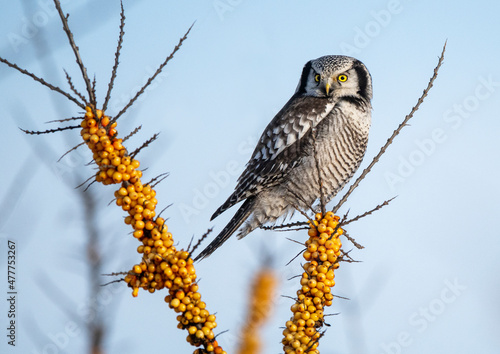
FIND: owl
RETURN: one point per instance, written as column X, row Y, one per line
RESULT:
column 320, row 134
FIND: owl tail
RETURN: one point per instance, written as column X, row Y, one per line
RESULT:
column 241, row 215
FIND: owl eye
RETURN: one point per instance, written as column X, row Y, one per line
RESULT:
column 342, row 78
column 317, row 77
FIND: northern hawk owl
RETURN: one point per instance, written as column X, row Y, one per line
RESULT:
column 329, row 116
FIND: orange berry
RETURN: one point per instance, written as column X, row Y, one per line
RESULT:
column 94, row 139
column 117, row 177
column 135, row 164
column 101, row 132
column 105, row 121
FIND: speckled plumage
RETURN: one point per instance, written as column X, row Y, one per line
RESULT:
column 281, row 175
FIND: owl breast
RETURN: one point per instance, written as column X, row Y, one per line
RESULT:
column 340, row 144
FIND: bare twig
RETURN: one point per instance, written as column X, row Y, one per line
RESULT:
column 201, row 240
column 394, row 134
column 283, row 226
column 88, row 179
column 31, row 132
column 132, row 133
column 293, row 229
column 353, row 241
column 320, row 180
column 153, row 180
column 163, row 176
column 112, row 282
column 72, row 149
column 168, row 206
column 72, row 87
column 145, row 144
column 43, row 82
column 117, row 57
column 378, row 207
column 94, row 82
column 69, row 34
column 295, row 241
column 63, row 120
column 150, row 80
column 345, row 257
column 91, row 183
column 298, row 254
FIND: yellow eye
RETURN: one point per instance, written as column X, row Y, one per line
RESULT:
column 317, row 77
column 342, row 78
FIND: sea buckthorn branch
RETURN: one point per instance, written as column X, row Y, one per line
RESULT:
column 396, row 132
column 76, row 52
column 259, row 309
column 117, row 58
column 43, row 82
column 162, row 265
column 323, row 254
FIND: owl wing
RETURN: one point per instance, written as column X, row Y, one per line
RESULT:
column 279, row 148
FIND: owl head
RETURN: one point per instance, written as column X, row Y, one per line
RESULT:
column 336, row 77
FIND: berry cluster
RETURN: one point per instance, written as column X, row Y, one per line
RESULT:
column 323, row 250
column 258, row 311
column 162, row 266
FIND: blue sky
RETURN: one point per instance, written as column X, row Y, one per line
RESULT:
column 428, row 279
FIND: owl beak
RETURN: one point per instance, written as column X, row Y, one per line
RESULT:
column 327, row 88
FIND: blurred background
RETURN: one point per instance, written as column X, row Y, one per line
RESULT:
column 427, row 280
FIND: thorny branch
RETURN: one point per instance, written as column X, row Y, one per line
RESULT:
column 31, row 132
column 394, row 134
column 318, row 169
column 117, row 57
column 150, row 80
column 378, row 207
column 75, row 91
column 72, row 149
column 145, row 144
column 64, row 20
column 132, row 133
column 43, row 82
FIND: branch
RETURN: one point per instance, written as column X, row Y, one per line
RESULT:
column 72, row 149
column 31, row 132
column 132, row 133
column 43, row 82
column 64, row 20
column 117, row 57
column 320, row 180
column 394, row 134
column 145, row 144
column 378, row 207
column 150, row 80
column 283, row 226
column 72, row 87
